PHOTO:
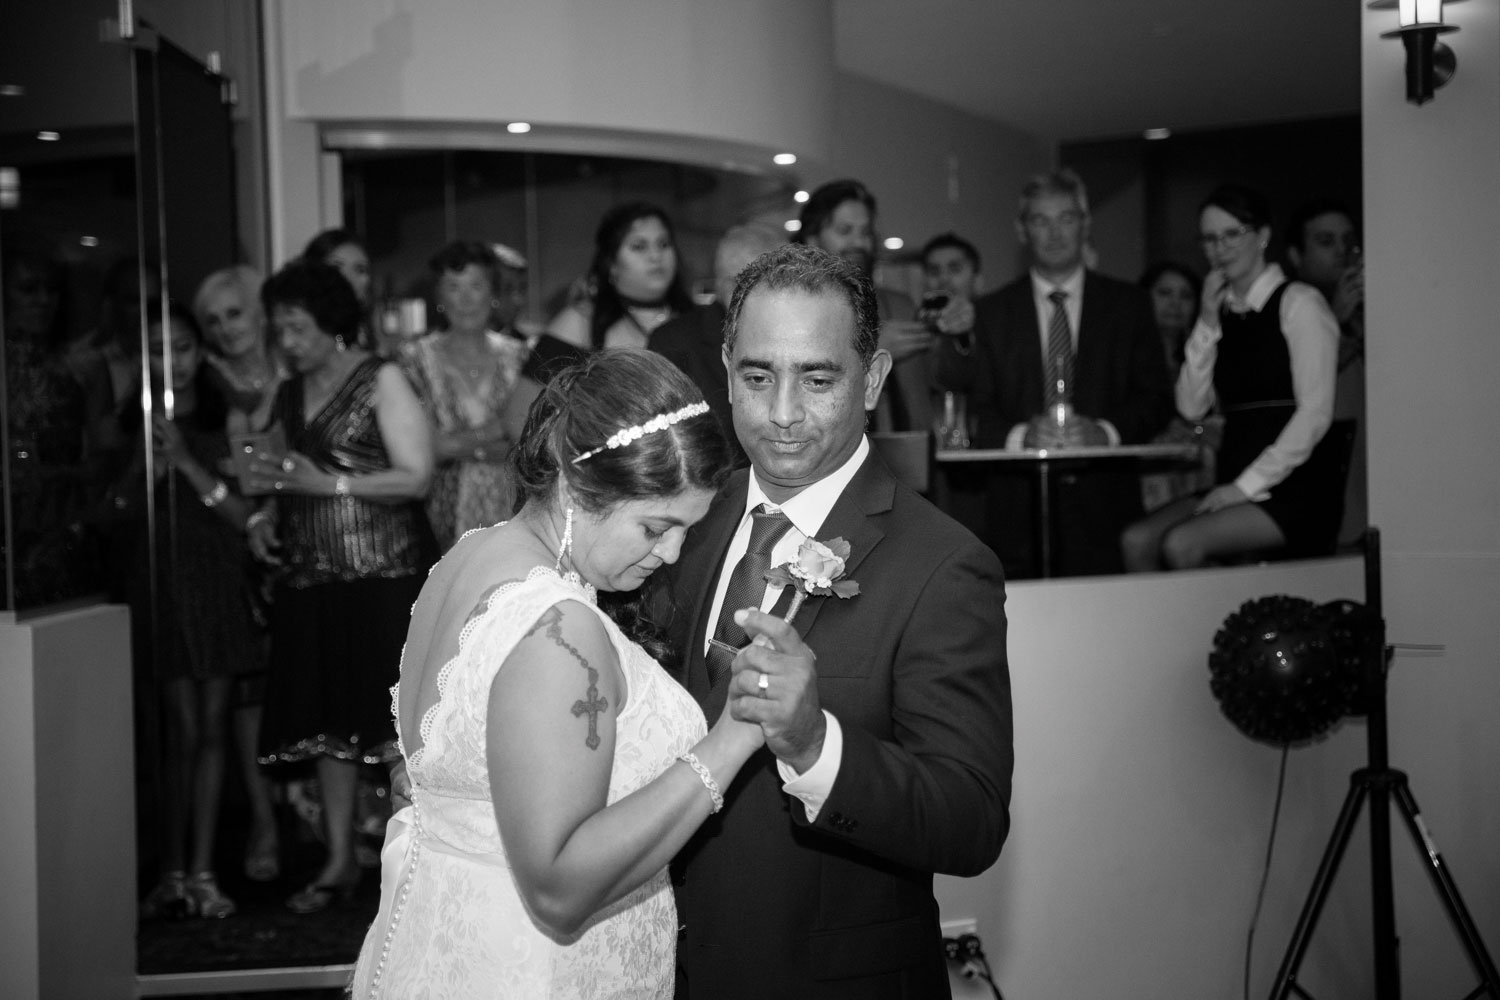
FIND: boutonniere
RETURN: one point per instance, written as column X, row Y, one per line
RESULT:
column 816, row 571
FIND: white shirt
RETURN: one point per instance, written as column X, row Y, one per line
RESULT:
column 807, row 511
column 1041, row 291
column 1312, row 341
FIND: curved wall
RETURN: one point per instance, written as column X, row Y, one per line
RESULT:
column 758, row 72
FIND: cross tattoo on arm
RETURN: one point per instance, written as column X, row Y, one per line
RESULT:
column 592, row 703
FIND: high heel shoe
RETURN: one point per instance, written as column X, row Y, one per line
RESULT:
column 207, row 899
column 168, row 899
column 262, row 860
column 317, row 896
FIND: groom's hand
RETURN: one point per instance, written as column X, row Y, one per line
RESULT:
column 785, row 704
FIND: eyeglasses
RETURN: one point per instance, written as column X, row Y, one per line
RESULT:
column 1229, row 239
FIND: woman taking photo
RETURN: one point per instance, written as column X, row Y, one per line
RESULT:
column 346, row 528
column 555, row 767
column 466, row 376
column 1265, row 350
column 634, row 282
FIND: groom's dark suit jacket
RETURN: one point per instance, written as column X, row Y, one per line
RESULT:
column 914, row 668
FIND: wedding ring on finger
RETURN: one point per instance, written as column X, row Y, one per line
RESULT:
column 278, row 484
column 288, row 466
column 763, row 684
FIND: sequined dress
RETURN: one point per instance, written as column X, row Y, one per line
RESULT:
column 352, row 570
column 452, row 923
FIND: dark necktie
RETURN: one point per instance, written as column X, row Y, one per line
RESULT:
column 1059, row 351
column 747, row 586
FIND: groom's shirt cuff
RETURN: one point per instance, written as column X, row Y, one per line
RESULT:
column 813, row 787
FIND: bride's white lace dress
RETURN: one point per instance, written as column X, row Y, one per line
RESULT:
column 452, row 923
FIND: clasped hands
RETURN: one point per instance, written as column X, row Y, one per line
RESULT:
column 774, row 685
column 1077, row 432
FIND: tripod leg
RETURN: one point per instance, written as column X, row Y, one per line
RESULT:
column 1447, row 890
column 1286, row 978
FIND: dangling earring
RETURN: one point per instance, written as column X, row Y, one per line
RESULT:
column 440, row 308
column 338, row 342
column 565, row 548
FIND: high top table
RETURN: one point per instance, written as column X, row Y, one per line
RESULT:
column 1041, row 460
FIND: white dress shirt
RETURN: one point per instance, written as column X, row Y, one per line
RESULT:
column 807, row 511
column 1312, row 341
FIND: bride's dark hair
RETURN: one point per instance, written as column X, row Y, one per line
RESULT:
column 580, row 409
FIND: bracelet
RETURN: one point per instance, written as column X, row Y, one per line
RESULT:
column 716, row 796
column 215, row 496
column 262, row 516
column 341, row 486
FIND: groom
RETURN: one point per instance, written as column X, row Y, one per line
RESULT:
column 888, row 753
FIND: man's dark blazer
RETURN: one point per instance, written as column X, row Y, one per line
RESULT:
column 694, row 342
column 1119, row 375
column 914, row 668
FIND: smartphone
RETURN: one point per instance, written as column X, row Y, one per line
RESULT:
column 245, row 445
column 932, row 304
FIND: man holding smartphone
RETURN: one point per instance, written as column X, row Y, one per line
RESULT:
column 950, row 269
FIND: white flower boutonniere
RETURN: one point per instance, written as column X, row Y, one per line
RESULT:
column 817, row 570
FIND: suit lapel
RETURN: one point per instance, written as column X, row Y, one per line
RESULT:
column 1093, row 338
column 871, row 491
column 1027, row 345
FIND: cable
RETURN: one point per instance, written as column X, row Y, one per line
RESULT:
column 1260, row 895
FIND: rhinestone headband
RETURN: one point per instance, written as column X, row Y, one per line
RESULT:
column 660, row 422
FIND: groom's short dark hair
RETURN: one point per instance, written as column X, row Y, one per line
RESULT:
column 808, row 269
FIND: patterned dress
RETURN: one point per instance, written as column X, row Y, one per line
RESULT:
column 452, row 923
column 465, row 493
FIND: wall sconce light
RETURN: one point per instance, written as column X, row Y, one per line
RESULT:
column 1429, row 63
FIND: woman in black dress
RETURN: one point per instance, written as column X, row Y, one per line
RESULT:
column 345, row 526
column 1265, row 349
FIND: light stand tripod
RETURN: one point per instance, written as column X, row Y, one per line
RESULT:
column 1378, row 783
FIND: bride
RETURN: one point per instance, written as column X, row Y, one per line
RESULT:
column 554, row 766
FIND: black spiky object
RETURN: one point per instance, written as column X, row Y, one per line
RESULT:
column 1285, row 670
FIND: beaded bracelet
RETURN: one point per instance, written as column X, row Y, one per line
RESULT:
column 257, row 517
column 716, row 796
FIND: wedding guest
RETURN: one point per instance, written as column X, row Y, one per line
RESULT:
column 248, row 367
column 554, row 766
column 345, row 525
column 888, row 754
column 193, row 629
column 694, row 340
column 1061, row 321
column 346, row 252
column 1174, row 290
column 465, row 375
column 839, row 218
column 634, row 282
column 1264, row 349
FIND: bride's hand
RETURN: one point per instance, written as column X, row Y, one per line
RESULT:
column 742, row 737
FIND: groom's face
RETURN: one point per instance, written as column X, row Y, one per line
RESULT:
column 797, row 386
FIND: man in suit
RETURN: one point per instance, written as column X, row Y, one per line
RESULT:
column 1096, row 334
column 839, row 217
column 888, row 753
column 694, row 340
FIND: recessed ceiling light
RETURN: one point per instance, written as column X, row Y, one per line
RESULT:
column 792, row 225
column 518, row 128
column 12, row 90
column 1158, row 133
column 801, row 197
column 48, row 136
column 894, row 243
column 784, row 159
column 88, row 241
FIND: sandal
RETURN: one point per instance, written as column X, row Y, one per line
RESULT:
column 168, row 899
column 206, row 898
column 317, row 896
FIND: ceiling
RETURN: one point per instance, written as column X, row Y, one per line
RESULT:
column 1084, row 69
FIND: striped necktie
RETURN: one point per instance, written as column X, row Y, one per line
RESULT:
column 747, row 587
column 1059, row 351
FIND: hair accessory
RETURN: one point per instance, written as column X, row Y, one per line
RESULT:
column 660, row 422
column 714, row 795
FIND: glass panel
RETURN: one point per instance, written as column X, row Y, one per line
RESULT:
column 67, row 244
